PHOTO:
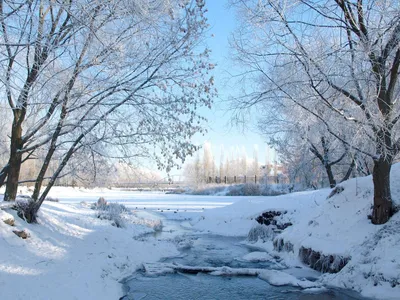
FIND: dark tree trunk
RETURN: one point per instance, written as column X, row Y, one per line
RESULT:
column 382, row 210
column 331, row 178
column 349, row 171
column 30, row 214
column 15, row 160
column 46, row 163
column 3, row 174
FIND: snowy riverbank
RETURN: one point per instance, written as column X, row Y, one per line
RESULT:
column 72, row 253
column 336, row 225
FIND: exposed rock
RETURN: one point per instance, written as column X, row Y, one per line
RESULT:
column 10, row 222
column 7, row 218
column 322, row 263
column 283, row 226
column 22, row 234
column 314, row 259
column 268, row 218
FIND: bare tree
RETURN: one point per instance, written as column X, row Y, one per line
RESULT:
column 222, row 171
column 286, row 124
column 132, row 78
column 256, row 164
column 344, row 54
column 43, row 28
column 208, row 162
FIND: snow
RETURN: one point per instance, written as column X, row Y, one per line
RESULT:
column 279, row 278
column 237, row 219
column 273, row 277
column 71, row 252
column 257, row 256
column 332, row 226
column 4, row 216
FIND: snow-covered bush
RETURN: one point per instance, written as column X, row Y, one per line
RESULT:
column 275, row 189
column 101, row 203
column 244, row 189
column 205, row 190
column 51, row 199
column 155, row 224
column 247, row 189
column 23, row 205
column 260, row 232
column 112, row 211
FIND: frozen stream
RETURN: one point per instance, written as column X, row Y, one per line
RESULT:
column 202, row 250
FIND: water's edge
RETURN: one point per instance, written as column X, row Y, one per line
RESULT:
column 208, row 250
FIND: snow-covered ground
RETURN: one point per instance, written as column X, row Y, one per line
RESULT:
column 142, row 200
column 72, row 254
column 332, row 226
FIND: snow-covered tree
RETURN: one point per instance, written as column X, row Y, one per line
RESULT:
column 256, row 165
column 117, row 79
column 289, row 124
column 208, row 162
column 243, row 161
column 343, row 54
column 222, row 171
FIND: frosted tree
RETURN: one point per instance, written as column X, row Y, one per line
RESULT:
column 198, row 169
column 346, row 54
column 125, row 92
column 256, row 165
column 227, row 167
column 222, row 171
column 208, row 161
column 193, row 170
column 243, row 161
column 289, row 124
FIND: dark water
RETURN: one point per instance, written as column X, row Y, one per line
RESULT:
column 202, row 286
column 217, row 251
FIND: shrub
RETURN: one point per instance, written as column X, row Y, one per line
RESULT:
column 244, row 189
column 156, row 225
column 25, row 207
column 101, row 203
column 262, row 232
column 51, row 199
column 206, row 190
column 113, row 212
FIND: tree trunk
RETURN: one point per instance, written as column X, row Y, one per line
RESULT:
column 3, row 174
column 382, row 210
column 332, row 181
column 29, row 212
column 15, row 160
column 350, row 170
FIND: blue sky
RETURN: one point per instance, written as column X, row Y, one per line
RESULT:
column 223, row 23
